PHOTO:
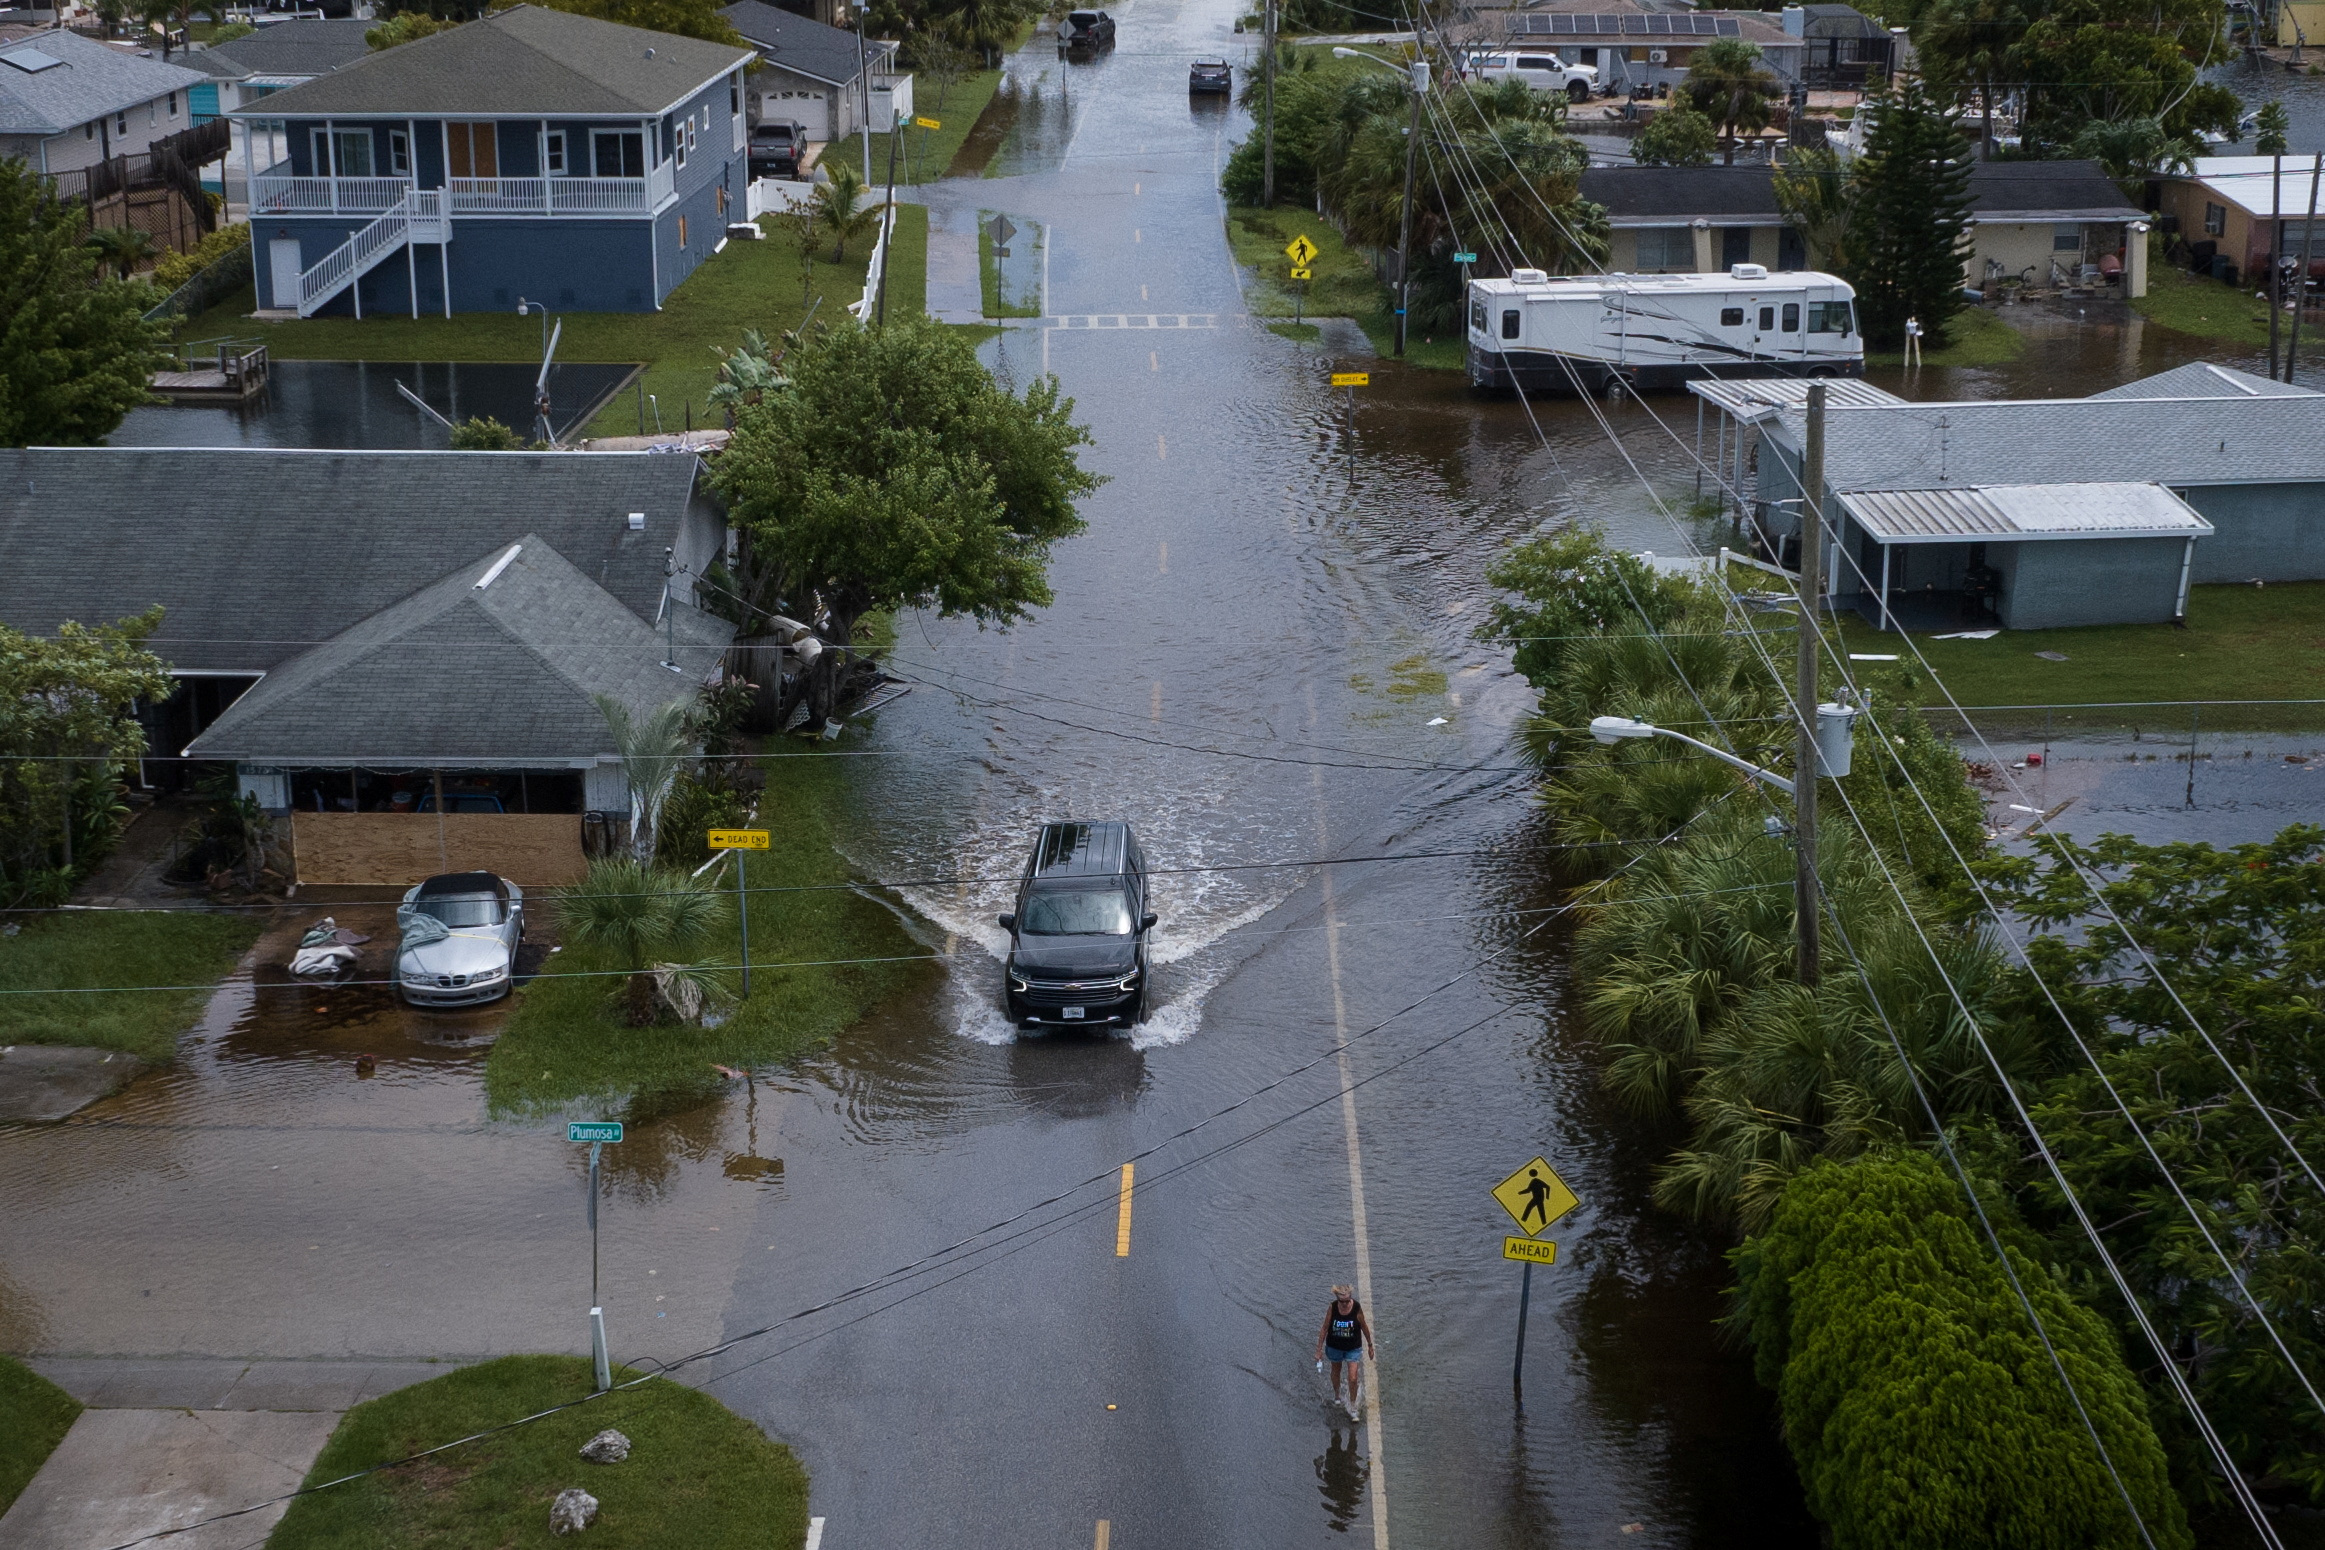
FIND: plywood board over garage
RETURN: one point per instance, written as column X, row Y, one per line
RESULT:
column 399, row 849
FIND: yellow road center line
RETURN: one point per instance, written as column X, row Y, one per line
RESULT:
column 1121, row 1251
column 1142, row 293
column 1153, row 361
column 1105, row 1533
column 1136, row 235
column 1137, row 188
column 1162, row 448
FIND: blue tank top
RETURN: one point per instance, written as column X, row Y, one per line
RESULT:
column 1344, row 1332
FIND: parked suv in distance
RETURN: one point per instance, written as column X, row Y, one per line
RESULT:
column 460, row 932
column 1211, row 75
column 775, row 149
column 1086, row 29
column 1077, row 939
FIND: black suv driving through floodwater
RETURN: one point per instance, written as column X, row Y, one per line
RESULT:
column 1077, row 939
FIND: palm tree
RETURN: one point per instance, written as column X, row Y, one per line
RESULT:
column 746, row 373
column 1816, row 194
column 654, row 748
column 1728, row 86
column 1963, row 41
column 641, row 919
column 122, row 247
column 836, row 209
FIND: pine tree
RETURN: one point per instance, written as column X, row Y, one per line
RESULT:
column 1909, row 234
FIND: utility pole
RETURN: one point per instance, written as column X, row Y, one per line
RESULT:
column 888, row 222
column 1807, row 907
column 864, row 80
column 2276, row 257
column 1420, row 85
column 1267, row 176
column 2301, row 280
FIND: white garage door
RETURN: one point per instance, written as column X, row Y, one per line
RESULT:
column 813, row 110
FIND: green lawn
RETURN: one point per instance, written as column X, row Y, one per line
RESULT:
column 34, row 1416
column 924, row 155
column 1981, row 338
column 698, row 1475
column 564, row 1041
column 749, row 285
column 2241, row 643
column 84, row 948
column 908, row 260
column 1344, row 285
column 2205, row 308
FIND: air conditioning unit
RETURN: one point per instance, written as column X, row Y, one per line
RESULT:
column 1658, row 56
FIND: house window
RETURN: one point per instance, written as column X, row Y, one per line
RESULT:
column 2215, row 220
column 1792, row 317
column 172, row 99
column 553, row 152
column 2066, row 239
column 1588, row 56
column 1731, row 317
column 121, row 122
column 679, row 135
column 472, row 150
column 734, row 95
column 89, row 130
column 399, row 154
column 618, row 153
column 1666, row 247
column 682, row 231
column 343, row 153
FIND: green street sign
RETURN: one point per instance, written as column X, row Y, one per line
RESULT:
column 1465, row 258
column 593, row 1130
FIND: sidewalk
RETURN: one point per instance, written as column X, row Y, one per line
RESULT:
column 167, row 1441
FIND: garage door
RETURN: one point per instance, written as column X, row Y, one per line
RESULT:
column 813, row 110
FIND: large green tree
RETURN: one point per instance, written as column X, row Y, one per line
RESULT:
column 1679, row 136
column 67, row 728
column 76, row 353
column 1909, row 226
column 892, row 471
column 2081, row 61
column 1969, row 44
column 2240, row 933
column 1917, row 1396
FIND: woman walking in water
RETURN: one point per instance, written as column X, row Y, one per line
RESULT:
column 1346, row 1338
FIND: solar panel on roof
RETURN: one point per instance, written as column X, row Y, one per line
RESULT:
column 1730, row 30
column 31, row 60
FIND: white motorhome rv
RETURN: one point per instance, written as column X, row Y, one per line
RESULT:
column 1652, row 332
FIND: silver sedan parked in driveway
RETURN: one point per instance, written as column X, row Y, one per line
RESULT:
column 460, row 935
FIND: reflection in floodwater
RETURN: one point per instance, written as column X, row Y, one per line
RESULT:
column 1341, row 1474
column 354, row 404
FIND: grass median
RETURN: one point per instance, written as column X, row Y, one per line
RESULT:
column 34, row 1416
column 698, row 1475
column 1343, row 286
column 565, row 1040
column 925, row 155
column 80, row 952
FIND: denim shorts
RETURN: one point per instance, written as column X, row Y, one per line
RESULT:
column 1339, row 1355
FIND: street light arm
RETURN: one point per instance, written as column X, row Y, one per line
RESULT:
column 1749, row 768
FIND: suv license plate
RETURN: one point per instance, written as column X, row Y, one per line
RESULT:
column 1071, row 1011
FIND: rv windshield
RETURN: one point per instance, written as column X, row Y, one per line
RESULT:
column 1830, row 317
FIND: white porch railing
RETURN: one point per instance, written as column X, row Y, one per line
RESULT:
column 276, row 192
column 419, row 217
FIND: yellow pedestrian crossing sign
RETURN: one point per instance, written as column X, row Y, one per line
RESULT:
column 1302, row 252
column 1535, row 1196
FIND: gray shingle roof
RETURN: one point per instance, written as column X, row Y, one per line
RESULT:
column 258, row 554
column 796, row 42
column 498, row 661
column 1683, row 193
column 2202, row 379
column 521, row 61
column 89, row 81
column 2173, row 441
column 302, row 48
column 2013, row 190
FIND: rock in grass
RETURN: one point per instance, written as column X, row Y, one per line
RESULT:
column 607, row 1447
column 573, row 1511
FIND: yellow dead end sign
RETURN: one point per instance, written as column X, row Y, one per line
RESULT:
column 1302, row 252
column 1535, row 1196
column 738, row 839
column 1352, row 379
column 927, row 123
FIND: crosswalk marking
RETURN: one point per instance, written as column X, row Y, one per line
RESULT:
column 1133, row 320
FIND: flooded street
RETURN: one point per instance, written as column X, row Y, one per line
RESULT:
column 1263, row 656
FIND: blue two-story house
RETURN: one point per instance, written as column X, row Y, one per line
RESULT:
column 535, row 154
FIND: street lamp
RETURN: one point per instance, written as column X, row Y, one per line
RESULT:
column 1835, row 742
column 1418, row 78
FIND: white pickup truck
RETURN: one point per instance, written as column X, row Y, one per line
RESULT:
column 1543, row 72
